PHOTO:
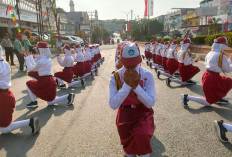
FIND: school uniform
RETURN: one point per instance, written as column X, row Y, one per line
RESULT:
column 164, row 56
column 134, row 120
column 172, row 60
column 7, row 103
column 44, row 86
column 79, row 67
column 186, row 69
column 88, row 58
column 148, row 53
column 153, row 50
column 158, row 54
column 67, row 73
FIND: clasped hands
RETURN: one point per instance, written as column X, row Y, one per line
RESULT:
column 132, row 78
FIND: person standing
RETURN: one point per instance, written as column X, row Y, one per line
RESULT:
column 8, row 46
column 18, row 49
column 132, row 92
column 59, row 45
column 27, row 45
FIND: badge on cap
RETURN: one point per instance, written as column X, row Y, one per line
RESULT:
column 131, row 52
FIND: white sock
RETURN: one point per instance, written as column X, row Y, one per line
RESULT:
column 14, row 126
column 130, row 155
column 60, row 81
column 74, row 83
column 86, row 75
column 32, row 96
column 227, row 126
column 178, row 81
column 156, row 65
column 58, row 99
column 159, row 68
column 165, row 74
column 147, row 155
column 199, row 100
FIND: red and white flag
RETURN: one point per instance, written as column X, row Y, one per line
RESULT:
column 148, row 8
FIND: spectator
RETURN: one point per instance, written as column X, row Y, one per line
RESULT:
column 18, row 49
column 59, row 45
column 8, row 46
column 27, row 45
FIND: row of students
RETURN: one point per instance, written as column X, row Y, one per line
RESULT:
column 215, row 86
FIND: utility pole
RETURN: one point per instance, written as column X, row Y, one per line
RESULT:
column 18, row 11
column 91, row 16
column 131, row 14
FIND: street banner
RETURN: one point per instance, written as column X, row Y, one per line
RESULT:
column 13, row 17
column 150, row 5
column 146, row 8
column 128, row 27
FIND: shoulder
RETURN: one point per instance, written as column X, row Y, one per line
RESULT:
column 146, row 72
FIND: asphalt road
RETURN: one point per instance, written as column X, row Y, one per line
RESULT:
column 88, row 127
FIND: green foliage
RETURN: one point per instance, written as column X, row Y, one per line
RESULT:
column 179, row 39
column 199, row 40
column 210, row 39
column 164, row 39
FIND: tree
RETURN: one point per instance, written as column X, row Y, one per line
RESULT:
column 214, row 25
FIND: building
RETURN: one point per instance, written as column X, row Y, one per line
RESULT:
column 172, row 22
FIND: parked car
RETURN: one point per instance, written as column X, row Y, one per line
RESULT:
column 68, row 40
column 34, row 34
column 78, row 39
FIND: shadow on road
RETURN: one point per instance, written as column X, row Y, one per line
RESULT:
column 157, row 147
column 20, row 143
column 225, row 113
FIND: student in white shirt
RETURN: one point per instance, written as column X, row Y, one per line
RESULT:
column 7, row 103
column 79, row 58
column 132, row 92
column 158, row 54
column 215, row 86
column 44, row 87
column 186, row 69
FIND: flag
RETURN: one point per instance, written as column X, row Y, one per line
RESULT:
column 122, row 31
column 150, row 5
column 7, row 10
column 128, row 27
column 146, row 8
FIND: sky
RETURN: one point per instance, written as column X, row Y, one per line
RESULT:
column 113, row 9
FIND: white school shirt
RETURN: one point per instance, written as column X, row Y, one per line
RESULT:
column 43, row 66
column 158, row 50
column 212, row 61
column 92, row 52
column 147, row 47
column 88, row 55
column 68, row 61
column 164, row 51
column 98, row 50
column 80, row 56
column 187, row 59
column 146, row 94
column 172, row 51
column 153, row 49
column 5, row 75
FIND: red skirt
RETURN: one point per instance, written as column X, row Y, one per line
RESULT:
column 159, row 59
column 148, row 54
column 187, row 72
column 172, row 65
column 164, row 62
column 154, row 58
column 88, row 66
column 34, row 74
column 44, row 87
column 96, row 57
column 66, row 74
column 92, row 60
column 79, row 69
column 100, row 56
column 215, row 86
column 7, row 105
column 136, row 127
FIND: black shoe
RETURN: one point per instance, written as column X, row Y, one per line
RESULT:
column 75, row 78
column 32, row 104
column 92, row 75
column 103, row 59
column 184, row 100
column 158, row 74
column 151, row 65
column 156, row 69
column 221, row 131
column 83, row 83
column 147, row 63
column 168, row 81
column 34, row 124
column 223, row 102
column 190, row 82
column 71, row 97
column 57, row 83
column 177, row 74
column 62, row 86
column 143, row 57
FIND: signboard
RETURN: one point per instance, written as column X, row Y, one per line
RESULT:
column 85, row 27
column 79, row 32
column 206, row 11
column 150, row 5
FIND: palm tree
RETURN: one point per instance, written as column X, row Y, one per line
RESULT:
column 214, row 24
